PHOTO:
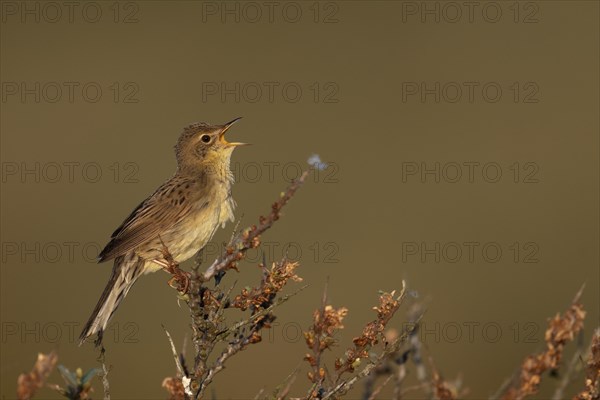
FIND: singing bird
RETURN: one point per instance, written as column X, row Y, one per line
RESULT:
column 181, row 215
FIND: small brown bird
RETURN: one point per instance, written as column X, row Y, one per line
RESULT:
column 183, row 214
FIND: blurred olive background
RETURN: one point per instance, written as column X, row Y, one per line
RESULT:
column 354, row 82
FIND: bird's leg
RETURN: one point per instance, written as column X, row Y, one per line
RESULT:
column 183, row 281
column 164, row 264
column 180, row 276
column 172, row 267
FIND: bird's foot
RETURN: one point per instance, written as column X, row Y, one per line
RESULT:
column 180, row 280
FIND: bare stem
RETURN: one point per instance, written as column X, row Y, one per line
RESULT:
column 248, row 238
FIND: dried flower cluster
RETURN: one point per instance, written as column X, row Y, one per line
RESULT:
column 209, row 325
column 560, row 331
column 379, row 352
column 441, row 389
column 326, row 321
column 372, row 332
column 79, row 384
column 208, row 305
column 320, row 337
column 174, row 386
column 28, row 384
column 273, row 281
column 592, row 376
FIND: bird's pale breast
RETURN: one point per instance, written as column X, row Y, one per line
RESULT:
column 185, row 238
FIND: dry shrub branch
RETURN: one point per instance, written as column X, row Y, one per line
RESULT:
column 560, row 331
column 379, row 356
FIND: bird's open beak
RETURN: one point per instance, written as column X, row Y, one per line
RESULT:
column 225, row 129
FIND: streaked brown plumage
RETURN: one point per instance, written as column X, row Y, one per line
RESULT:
column 183, row 213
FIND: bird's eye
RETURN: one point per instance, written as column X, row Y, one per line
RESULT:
column 205, row 138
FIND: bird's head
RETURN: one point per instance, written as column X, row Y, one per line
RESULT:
column 204, row 146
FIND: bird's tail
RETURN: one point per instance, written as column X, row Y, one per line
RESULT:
column 125, row 272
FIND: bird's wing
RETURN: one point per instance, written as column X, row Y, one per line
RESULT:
column 155, row 215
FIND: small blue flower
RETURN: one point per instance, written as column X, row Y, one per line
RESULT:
column 315, row 161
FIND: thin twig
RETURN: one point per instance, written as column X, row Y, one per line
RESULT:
column 248, row 239
column 219, row 365
column 105, row 383
column 259, row 394
column 344, row 386
column 175, row 354
column 235, row 346
column 568, row 374
column 591, row 389
column 206, row 318
column 282, row 390
column 378, row 389
column 185, row 380
column 258, row 314
column 561, row 330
